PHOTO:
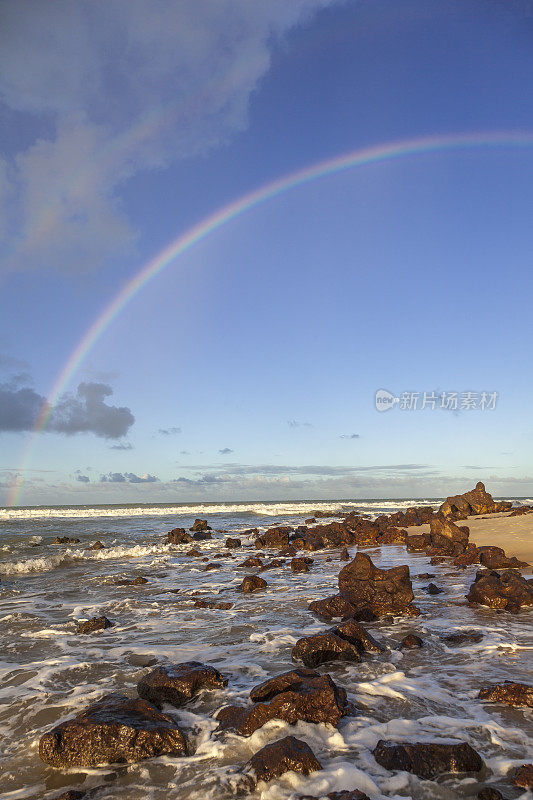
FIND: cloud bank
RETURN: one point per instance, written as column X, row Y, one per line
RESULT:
column 111, row 89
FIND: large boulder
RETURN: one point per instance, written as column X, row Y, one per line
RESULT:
column 383, row 591
column 476, row 501
column 513, row 694
column 444, row 535
column 300, row 694
column 114, row 730
column 507, row 590
column 428, row 759
column 274, row 538
column 285, row 755
column 178, row 683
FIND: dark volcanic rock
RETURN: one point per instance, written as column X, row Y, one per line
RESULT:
column 428, row 760
column 447, row 536
column 202, row 536
column 178, row 683
column 178, row 536
column 393, row 536
column 115, row 730
column 285, row 755
column 220, row 605
column 495, row 558
column 133, row 582
column 96, row 546
column 300, row 694
column 322, row 648
column 477, row 501
column 517, row 512
column 461, row 638
column 358, row 636
column 344, row 556
column 252, row 583
column 65, row 540
column 276, row 538
column 380, row 590
column 523, row 777
column 94, row 624
column 432, row 589
column 232, row 544
column 301, row 564
column 332, row 607
column 513, row 694
column 507, row 590
column 418, row 542
column 411, row 642
column 200, row 525
column 252, row 561
column 274, row 564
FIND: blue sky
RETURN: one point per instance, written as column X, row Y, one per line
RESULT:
column 248, row 368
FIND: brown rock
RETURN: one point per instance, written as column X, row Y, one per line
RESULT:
column 94, row 624
column 417, row 543
column 285, row 755
column 513, row 694
column 194, row 553
column 322, row 648
column 446, row 536
column 252, row 561
column 345, row 555
column 301, row 564
column 332, row 607
column 252, row 583
column 380, row 590
column 489, row 793
column 274, row 564
column 411, row 642
column 358, row 636
column 300, row 694
column 276, row 538
column 178, row 536
column 114, row 730
column 517, row 512
column 428, row 760
column 178, row 683
column 461, row 638
column 506, row 590
column 310, row 521
column 134, row 582
column 96, row 546
column 200, row 525
column 523, row 777
column 232, row 544
column 433, row 589
column 393, row 536
column 221, row 606
column 65, row 540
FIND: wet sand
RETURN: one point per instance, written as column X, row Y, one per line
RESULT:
column 513, row 534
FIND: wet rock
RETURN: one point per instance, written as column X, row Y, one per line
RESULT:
column 523, row 777
column 215, row 604
column 358, row 636
column 433, row 589
column 178, row 536
column 310, row 521
column 94, row 624
column 414, row 515
column 477, row 501
column 495, row 558
column 424, row 576
column 96, row 546
column 447, row 536
column 301, row 564
column 322, row 648
column 232, row 544
column 289, row 551
column 462, row 637
column 333, row 607
column 517, row 512
column 252, row 583
column 506, row 590
column 489, row 793
column 380, row 590
column 285, row 755
column 513, row 694
column 344, row 555
column 418, row 543
column 209, row 567
column 252, row 561
column 139, row 581
column 411, row 642
column 114, row 730
column 299, row 694
column 202, row 536
column 428, row 760
column 178, row 683
column 65, row 540
column 275, row 538
column 393, row 536
column 200, row 525
column 194, row 553
column 274, row 564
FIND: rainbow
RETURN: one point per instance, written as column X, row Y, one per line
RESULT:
column 357, row 158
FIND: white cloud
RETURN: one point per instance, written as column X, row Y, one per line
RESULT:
column 115, row 88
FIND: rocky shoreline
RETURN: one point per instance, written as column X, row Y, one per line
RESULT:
column 118, row 729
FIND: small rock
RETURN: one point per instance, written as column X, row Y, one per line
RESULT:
column 96, row 546
column 428, row 760
column 252, row 583
column 285, row 755
column 488, row 793
column 232, row 544
column 94, row 624
column 178, row 683
column 411, row 642
column 523, row 777
column 221, row 606
column 344, row 555
column 513, row 694
column 178, row 536
column 65, row 540
column 251, row 562
column 461, row 638
column 200, row 525
column 322, row 648
column 432, row 589
column 301, row 564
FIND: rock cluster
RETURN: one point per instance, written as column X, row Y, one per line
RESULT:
column 476, row 501
column 506, row 590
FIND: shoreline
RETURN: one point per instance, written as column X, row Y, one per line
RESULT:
column 513, row 534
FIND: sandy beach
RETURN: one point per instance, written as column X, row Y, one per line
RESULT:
column 513, row 534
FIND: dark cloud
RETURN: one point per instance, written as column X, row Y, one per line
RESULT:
column 83, row 479
column 349, row 436
column 169, row 431
column 83, row 412
column 226, row 451
column 127, row 477
column 121, row 446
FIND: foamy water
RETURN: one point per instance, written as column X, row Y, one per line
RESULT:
column 48, row 671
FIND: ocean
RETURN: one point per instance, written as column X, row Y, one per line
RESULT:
column 48, row 672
